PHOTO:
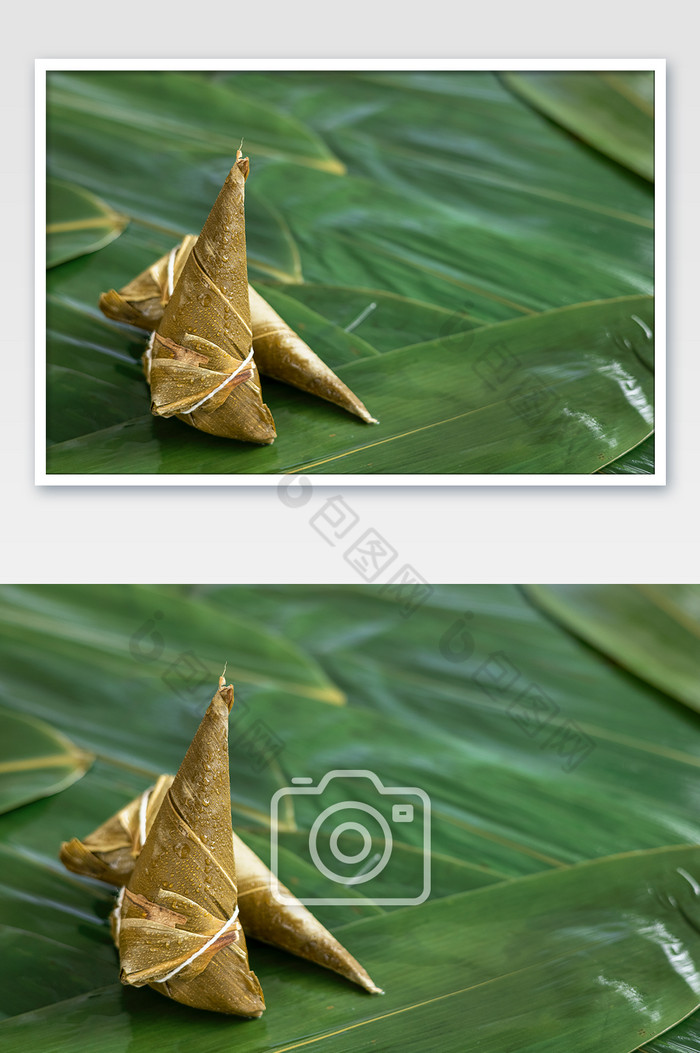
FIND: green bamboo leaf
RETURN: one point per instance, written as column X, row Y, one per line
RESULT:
column 685, row 1038
column 565, row 391
column 652, row 630
column 558, row 957
column 613, row 111
column 52, row 930
column 35, row 760
column 485, row 197
column 179, row 113
column 273, row 251
column 483, row 658
column 146, row 637
column 384, row 319
column 360, row 232
column 77, row 222
column 82, row 346
column 639, row 461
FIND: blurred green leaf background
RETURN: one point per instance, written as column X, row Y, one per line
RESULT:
column 422, row 231
column 562, row 771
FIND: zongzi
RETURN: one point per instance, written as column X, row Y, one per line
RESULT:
column 268, row 912
column 176, row 924
column 199, row 361
column 279, row 352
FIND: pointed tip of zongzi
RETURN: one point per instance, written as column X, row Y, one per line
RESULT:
column 78, row 858
column 111, row 304
column 261, row 431
column 226, row 691
column 371, row 987
column 243, row 163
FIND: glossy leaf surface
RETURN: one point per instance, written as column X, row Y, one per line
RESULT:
column 639, row 461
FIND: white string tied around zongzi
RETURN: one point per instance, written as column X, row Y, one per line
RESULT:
column 149, row 355
column 171, row 271
column 143, row 809
column 229, row 378
column 207, row 945
column 118, row 914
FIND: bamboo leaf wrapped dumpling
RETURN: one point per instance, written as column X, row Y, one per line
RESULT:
column 199, row 361
column 176, row 923
column 268, row 912
column 279, row 351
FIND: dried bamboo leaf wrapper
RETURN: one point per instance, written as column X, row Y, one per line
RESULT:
column 271, row 913
column 157, row 926
column 281, row 354
column 186, row 869
column 109, row 853
column 142, row 301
